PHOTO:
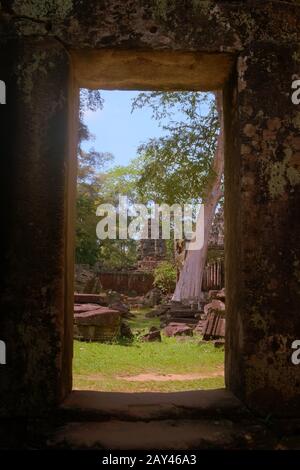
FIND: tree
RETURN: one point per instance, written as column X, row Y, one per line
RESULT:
column 119, row 181
column 165, row 276
column 189, row 285
column 89, row 182
column 185, row 165
column 176, row 167
column 96, row 186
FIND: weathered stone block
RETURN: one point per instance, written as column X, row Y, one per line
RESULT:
column 96, row 323
column 178, row 329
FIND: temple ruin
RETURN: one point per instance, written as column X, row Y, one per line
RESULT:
column 250, row 50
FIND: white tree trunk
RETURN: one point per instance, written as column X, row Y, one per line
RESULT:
column 189, row 285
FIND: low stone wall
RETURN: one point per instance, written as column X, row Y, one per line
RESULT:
column 214, row 276
column 138, row 282
column 93, row 322
column 86, row 279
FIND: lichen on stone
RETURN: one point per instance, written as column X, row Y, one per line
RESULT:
column 43, row 9
column 162, row 7
column 280, row 174
column 258, row 321
column 260, row 375
column 296, row 56
column 296, row 120
column 27, row 71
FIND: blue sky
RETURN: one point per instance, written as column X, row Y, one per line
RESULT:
column 119, row 131
column 116, row 129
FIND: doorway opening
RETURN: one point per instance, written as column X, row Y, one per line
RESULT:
column 149, row 313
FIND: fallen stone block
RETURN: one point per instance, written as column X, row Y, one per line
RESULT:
column 219, row 343
column 178, row 329
column 100, row 324
column 153, row 335
column 90, row 298
column 214, row 326
column 125, row 331
column 214, row 306
column 199, row 327
column 80, row 308
column 221, row 295
column 120, row 306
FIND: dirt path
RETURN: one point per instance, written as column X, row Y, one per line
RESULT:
column 153, row 377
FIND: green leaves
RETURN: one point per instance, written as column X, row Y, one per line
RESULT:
column 94, row 186
column 87, row 244
column 165, row 276
column 175, row 168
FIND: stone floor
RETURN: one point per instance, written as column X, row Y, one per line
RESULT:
column 212, row 419
column 208, row 419
column 175, row 434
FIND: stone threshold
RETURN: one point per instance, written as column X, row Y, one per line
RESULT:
column 204, row 419
column 94, row 405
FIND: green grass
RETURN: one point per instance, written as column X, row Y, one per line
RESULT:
column 107, row 384
column 140, row 322
column 100, row 366
column 97, row 365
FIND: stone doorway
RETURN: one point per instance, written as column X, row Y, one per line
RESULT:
column 197, row 71
column 128, row 335
column 254, row 62
column 139, row 66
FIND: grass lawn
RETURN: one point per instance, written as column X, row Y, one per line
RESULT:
column 174, row 364
column 142, row 323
